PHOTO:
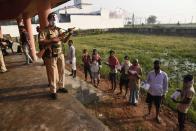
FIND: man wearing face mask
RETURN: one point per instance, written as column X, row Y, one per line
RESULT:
column 158, row 81
column 51, row 38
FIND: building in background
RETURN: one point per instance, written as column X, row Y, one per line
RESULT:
column 80, row 15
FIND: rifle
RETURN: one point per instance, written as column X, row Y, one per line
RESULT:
column 41, row 53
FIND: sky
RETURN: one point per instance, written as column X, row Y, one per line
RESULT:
column 167, row 11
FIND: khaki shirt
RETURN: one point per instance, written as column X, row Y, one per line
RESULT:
column 48, row 34
column 1, row 54
column 186, row 93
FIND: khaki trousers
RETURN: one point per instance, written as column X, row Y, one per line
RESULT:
column 56, row 72
column 47, row 63
column 2, row 64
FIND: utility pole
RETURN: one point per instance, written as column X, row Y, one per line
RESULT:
column 133, row 20
column 146, row 21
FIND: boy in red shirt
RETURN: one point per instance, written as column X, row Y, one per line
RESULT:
column 86, row 59
column 112, row 63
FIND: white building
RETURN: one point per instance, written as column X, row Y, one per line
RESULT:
column 79, row 15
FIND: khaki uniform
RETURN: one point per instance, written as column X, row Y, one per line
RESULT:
column 2, row 63
column 47, row 64
column 55, row 63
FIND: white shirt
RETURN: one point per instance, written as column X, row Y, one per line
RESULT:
column 126, row 66
column 71, row 53
column 158, row 83
column 95, row 67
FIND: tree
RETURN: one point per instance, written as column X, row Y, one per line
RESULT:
column 152, row 19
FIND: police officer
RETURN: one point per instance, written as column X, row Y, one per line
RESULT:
column 3, row 68
column 51, row 38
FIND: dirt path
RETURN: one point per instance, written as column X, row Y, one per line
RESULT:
column 115, row 111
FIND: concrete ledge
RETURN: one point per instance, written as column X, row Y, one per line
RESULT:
column 26, row 106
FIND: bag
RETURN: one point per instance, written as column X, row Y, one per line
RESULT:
column 176, row 95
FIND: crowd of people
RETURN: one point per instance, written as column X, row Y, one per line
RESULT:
column 130, row 78
column 51, row 50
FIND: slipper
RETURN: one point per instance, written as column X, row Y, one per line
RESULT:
column 158, row 119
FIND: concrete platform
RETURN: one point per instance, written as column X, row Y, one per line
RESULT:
column 26, row 106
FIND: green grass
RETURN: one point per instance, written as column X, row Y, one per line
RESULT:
column 146, row 48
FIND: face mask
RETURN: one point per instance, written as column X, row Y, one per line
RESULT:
column 52, row 23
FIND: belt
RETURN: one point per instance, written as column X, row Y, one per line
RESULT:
column 56, row 55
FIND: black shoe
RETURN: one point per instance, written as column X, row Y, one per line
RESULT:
column 74, row 74
column 53, row 96
column 71, row 73
column 135, row 104
column 4, row 71
column 62, row 90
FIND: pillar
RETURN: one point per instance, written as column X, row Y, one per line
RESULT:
column 1, row 34
column 19, row 22
column 28, row 26
column 44, row 8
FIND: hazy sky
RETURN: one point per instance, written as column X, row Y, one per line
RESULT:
column 166, row 10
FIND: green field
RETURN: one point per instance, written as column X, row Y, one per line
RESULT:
column 178, row 55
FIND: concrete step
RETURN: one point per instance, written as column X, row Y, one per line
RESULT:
column 83, row 91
